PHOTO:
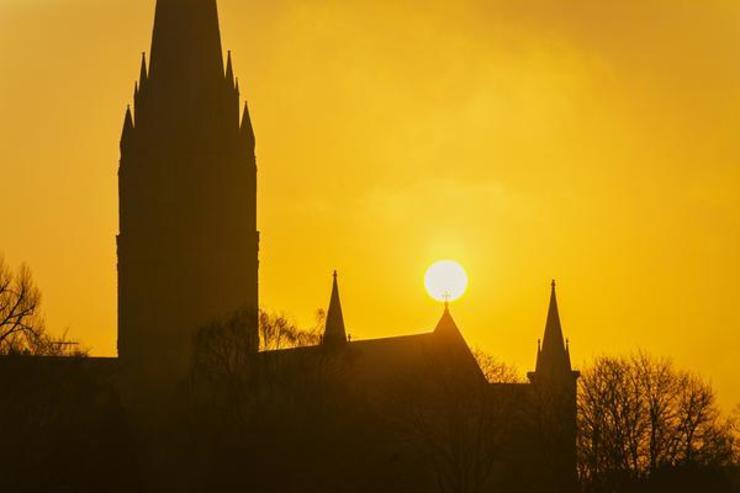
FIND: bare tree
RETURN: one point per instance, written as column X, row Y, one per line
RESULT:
column 734, row 423
column 640, row 415
column 255, row 411
column 224, row 347
column 659, row 387
column 278, row 332
column 453, row 419
column 495, row 370
column 22, row 326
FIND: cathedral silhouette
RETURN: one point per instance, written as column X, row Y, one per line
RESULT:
column 187, row 248
column 192, row 404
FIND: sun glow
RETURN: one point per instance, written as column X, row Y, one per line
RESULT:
column 446, row 280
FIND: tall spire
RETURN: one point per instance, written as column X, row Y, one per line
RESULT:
column 187, row 176
column 335, row 332
column 553, row 355
column 186, row 42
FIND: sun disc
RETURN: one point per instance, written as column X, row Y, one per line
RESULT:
column 446, row 280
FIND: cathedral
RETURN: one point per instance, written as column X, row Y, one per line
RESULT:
column 192, row 404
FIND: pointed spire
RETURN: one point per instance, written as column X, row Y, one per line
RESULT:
column 553, row 356
column 128, row 122
column 553, row 331
column 137, row 98
column 143, row 75
column 229, row 69
column 128, row 127
column 334, row 333
column 246, row 126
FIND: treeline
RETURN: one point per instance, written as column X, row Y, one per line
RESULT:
column 23, row 329
column 305, row 411
column 644, row 425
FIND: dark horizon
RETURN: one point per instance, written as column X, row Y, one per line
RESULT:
column 550, row 147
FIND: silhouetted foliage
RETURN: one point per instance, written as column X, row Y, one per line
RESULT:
column 22, row 326
column 458, row 427
column 254, row 415
column 301, row 409
column 495, row 370
column 644, row 423
column 224, row 347
column 276, row 331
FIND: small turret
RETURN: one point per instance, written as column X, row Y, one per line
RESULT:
column 137, row 99
column 246, row 127
column 128, row 128
column 229, row 70
column 143, row 73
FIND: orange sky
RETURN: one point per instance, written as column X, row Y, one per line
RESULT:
column 593, row 142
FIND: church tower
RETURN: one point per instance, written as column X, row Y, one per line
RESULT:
column 553, row 354
column 555, row 385
column 188, row 241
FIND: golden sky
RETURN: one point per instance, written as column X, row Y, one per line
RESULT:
column 590, row 141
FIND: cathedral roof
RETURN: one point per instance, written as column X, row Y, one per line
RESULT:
column 377, row 363
column 451, row 339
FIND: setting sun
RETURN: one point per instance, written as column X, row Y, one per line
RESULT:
column 446, row 280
